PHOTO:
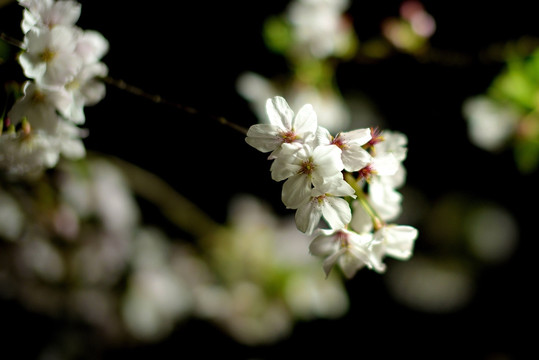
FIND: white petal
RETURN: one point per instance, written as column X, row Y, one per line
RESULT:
column 358, row 137
column 92, row 46
column 336, row 212
column 394, row 143
column 400, row 241
column 279, row 112
column 93, row 92
column 339, row 187
column 328, row 161
column 28, row 21
column 305, row 120
column 308, row 217
column 354, row 158
column 296, row 191
column 324, row 243
column 386, row 200
column 330, row 261
column 62, row 70
column 361, row 221
column 350, row 264
column 62, row 38
column 386, row 164
column 322, row 137
column 31, row 68
column 63, row 12
column 263, row 137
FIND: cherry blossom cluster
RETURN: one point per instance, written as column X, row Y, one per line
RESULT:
column 350, row 180
column 61, row 62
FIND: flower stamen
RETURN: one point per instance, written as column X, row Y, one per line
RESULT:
column 47, row 55
column 307, row 167
column 288, row 136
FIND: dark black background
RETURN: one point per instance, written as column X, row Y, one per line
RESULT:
column 193, row 52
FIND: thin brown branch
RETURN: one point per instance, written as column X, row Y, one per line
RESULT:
column 12, row 41
column 122, row 85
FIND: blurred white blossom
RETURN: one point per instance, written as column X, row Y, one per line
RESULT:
column 331, row 110
column 62, row 64
column 490, row 124
column 270, row 279
column 430, row 285
column 319, row 27
column 11, row 217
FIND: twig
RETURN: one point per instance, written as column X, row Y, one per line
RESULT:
column 122, row 85
column 12, row 41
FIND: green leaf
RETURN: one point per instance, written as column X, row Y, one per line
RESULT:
column 277, row 34
column 527, row 155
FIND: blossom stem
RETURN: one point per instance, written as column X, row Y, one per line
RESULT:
column 122, row 85
column 362, row 197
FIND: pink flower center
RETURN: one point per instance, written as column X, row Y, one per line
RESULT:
column 366, row 172
column 376, row 137
column 307, row 167
column 339, row 142
column 288, row 136
column 342, row 238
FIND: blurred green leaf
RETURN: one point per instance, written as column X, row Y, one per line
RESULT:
column 527, row 155
column 277, row 34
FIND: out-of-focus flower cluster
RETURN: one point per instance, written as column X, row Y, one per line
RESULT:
column 61, row 62
column 411, row 31
column 76, row 245
column 316, row 36
column 268, row 280
column 506, row 115
column 310, row 35
column 349, row 180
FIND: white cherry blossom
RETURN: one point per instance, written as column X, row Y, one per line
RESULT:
column 91, row 46
column 380, row 165
column 49, row 13
column 384, row 199
column 27, row 155
column 350, row 250
column 354, row 156
column 50, row 57
column 85, row 90
column 490, row 124
column 326, row 201
column 319, row 26
column 39, row 106
column 302, row 167
column 284, row 127
column 396, row 241
column 332, row 111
